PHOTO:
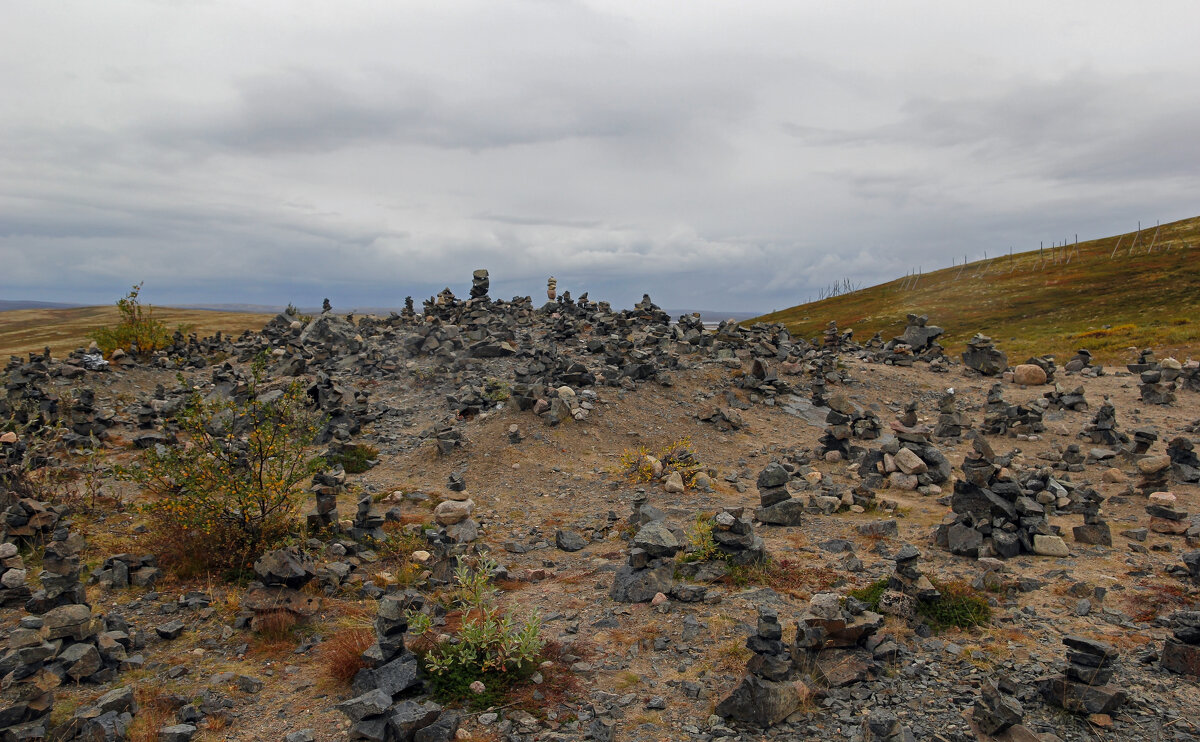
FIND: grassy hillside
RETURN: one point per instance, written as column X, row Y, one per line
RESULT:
column 24, row 330
column 1106, row 295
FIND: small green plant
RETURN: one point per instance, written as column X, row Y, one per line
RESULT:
column 640, row 465
column 493, row 648
column 871, row 593
column 702, row 545
column 497, row 390
column 959, row 606
column 473, row 589
column 137, row 331
column 355, row 458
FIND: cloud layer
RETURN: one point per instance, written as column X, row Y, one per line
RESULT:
column 717, row 156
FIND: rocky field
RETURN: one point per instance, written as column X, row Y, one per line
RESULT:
column 679, row 533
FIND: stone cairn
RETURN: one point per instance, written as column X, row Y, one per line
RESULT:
column 1084, row 689
column 734, row 534
column 1165, row 516
column 993, row 515
column 1095, row 530
column 392, row 670
column 776, row 505
column 846, row 420
column 764, row 697
column 367, row 525
column 1181, row 653
column 14, row 590
column 983, row 356
column 480, row 283
column 1003, row 418
column 326, row 486
column 650, row 568
column 60, row 573
column 454, row 517
column 1157, row 379
column 1185, row 464
column 910, row 460
column 997, row 709
column 552, row 288
column 1062, row 400
column 950, row 423
column 908, row 578
column 122, row 570
column 918, row 341
column 1153, row 473
column 1102, row 430
column 1081, row 363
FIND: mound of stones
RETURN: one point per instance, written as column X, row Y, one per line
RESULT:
column 983, row 356
column 993, row 514
column 385, row 707
column 650, row 567
column 1103, row 429
column 1003, row 418
column 847, row 420
column 1081, row 363
column 951, row 423
column 777, row 506
column 917, row 342
column 1185, row 464
column 1064, row 400
column 1158, row 379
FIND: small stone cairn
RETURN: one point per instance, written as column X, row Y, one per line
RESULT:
column 950, row 423
column 1084, row 689
column 1181, row 653
column 777, row 506
column 765, row 696
column 326, row 486
column 1103, row 429
column 983, row 356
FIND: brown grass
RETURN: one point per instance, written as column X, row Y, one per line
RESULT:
column 155, row 711
column 1150, row 599
column 29, row 330
column 1039, row 302
column 341, row 654
column 785, row 576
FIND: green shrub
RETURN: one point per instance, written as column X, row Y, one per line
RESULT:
column 490, row 647
column 233, row 491
column 960, row 606
column 871, row 593
column 355, row 458
column 137, row 328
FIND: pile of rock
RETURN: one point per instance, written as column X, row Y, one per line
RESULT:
column 950, row 423
column 1063, row 400
column 776, row 504
column 122, row 570
column 765, row 696
column 1081, row 363
column 382, row 710
column 60, row 575
column 763, row 382
column 1157, row 379
column 454, row 516
column 281, row 573
column 908, row 579
column 1181, row 653
column 847, row 420
column 997, row 709
column 28, row 521
column 1085, row 686
column 993, row 514
column 650, row 569
column 1153, row 473
column 14, row 590
column 1185, row 464
column 1103, row 429
column 733, row 533
column 1003, row 418
column 480, row 283
column 326, row 486
column 882, row 725
column 917, row 342
column 1165, row 517
column 368, row 525
column 983, row 356
column 835, row 640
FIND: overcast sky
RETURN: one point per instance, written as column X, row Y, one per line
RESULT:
column 728, row 156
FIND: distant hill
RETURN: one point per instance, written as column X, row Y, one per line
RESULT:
column 9, row 305
column 1140, row 289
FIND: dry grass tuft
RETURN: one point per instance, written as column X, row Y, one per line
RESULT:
column 341, row 654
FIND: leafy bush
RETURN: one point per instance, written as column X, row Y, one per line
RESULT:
column 491, row 647
column 354, row 458
column 233, row 490
column 137, row 331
